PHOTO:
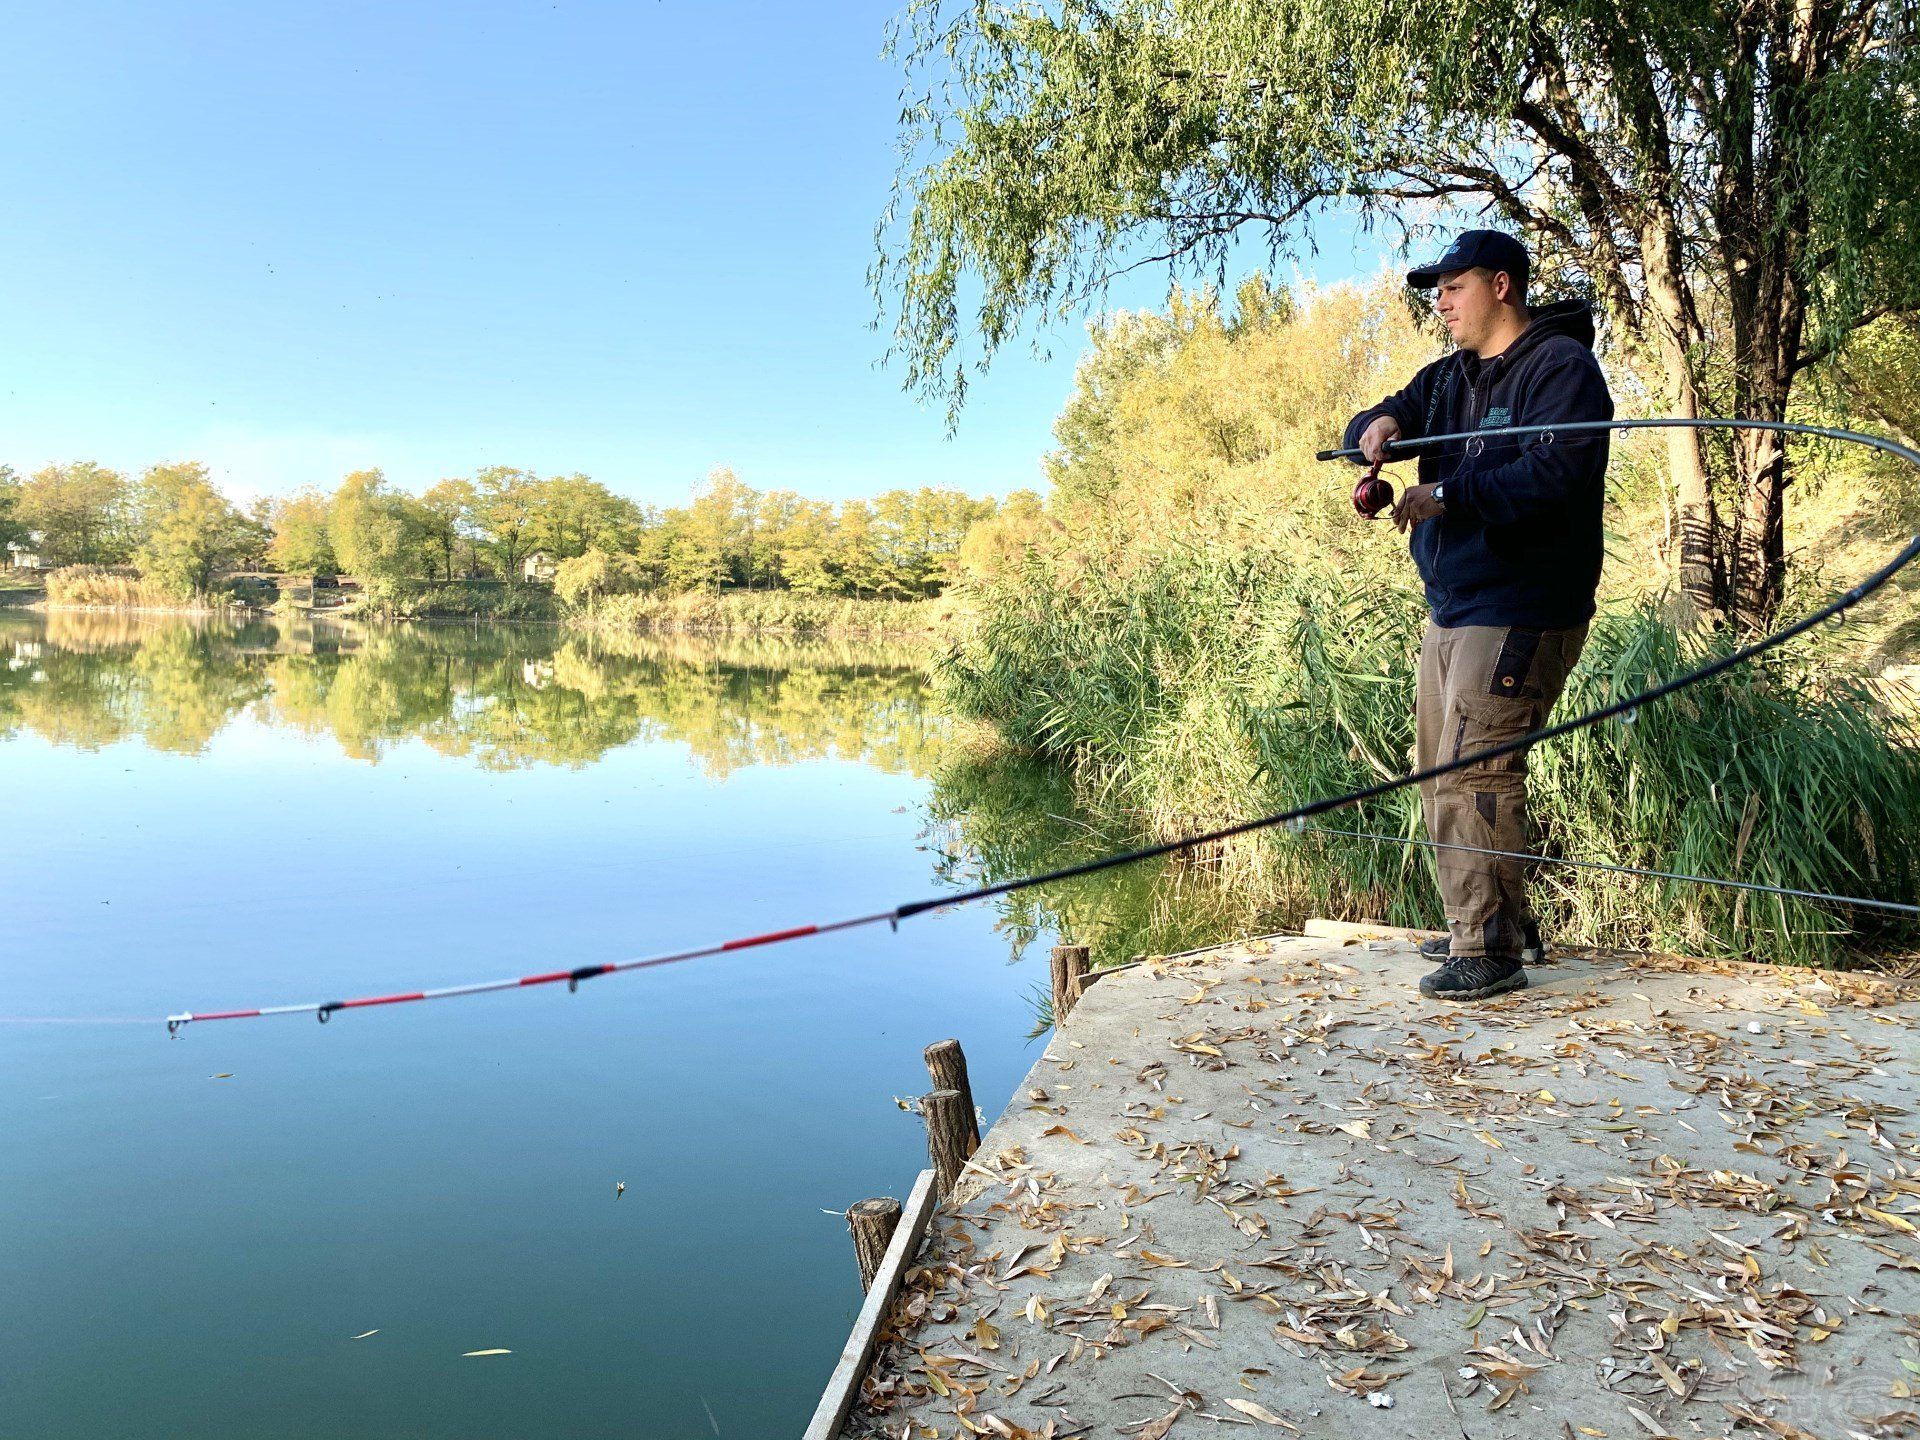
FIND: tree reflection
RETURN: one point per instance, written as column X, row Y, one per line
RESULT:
column 999, row 816
column 511, row 697
column 504, row 697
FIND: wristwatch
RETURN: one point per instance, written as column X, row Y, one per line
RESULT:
column 1440, row 493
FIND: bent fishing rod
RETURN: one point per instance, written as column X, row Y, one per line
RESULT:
column 1294, row 819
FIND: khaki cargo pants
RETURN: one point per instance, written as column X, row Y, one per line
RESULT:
column 1480, row 685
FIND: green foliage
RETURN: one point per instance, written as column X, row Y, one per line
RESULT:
column 464, row 600
column 81, row 512
column 573, row 514
column 585, row 580
column 1738, row 183
column 1048, row 148
column 447, row 526
column 13, row 530
column 504, row 514
column 901, row 545
column 377, row 533
column 188, row 529
column 302, row 542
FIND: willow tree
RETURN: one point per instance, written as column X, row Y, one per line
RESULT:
column 1734, row 179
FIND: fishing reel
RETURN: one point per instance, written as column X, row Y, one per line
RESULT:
column 1372, row 496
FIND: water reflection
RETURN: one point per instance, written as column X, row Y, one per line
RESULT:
column 504, row 696
column 510, row 697
column 996, row 816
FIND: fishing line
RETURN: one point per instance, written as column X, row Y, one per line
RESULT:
column 1751, row 885
column 1294, row 819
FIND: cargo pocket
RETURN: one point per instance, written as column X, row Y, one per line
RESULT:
column 1513, row 667
column 1484, row 721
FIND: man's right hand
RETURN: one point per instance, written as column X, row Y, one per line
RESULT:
column 1374, row 439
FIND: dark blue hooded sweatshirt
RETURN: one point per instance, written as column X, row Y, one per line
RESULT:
column 1520, row 541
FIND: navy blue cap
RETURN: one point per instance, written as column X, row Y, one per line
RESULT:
column 1472, row 248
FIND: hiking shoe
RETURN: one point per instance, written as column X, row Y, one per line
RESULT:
column 1475, row 977
column 1533, row 950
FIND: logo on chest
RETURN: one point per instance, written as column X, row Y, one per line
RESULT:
column 1497, row 416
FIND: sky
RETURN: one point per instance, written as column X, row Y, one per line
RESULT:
column 292, row 240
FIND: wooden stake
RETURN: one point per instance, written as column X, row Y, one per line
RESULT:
column 947, row 1064
column 946, row 1137
column 872, row 1223
column 1069, row 980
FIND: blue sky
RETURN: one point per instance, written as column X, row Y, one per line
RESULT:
column 628, row 239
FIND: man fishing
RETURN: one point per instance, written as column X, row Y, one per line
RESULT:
column 1506, row 534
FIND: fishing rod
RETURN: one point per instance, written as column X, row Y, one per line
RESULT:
column 1295, row 819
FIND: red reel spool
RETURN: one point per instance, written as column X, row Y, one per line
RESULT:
column 1372, row 496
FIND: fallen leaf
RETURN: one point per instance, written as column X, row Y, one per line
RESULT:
column 1155, row 1258
column 1260, row 1413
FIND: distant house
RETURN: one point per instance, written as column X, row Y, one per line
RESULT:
column 24, row 557
column 538, row 566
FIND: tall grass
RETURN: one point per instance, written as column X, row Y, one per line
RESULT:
column 1212, row 686
column 763, row 611
column 100, row 587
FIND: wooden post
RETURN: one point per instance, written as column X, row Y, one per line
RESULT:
column 872, row 1223
column 947, row 1064
column 946, row 1137
column 1069, row 979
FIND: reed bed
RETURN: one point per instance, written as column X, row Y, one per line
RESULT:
column 1208, row 687
column 763, row 611
column 99, row 587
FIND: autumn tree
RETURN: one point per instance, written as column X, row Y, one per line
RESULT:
column 505, row 501
column 301, row 541
column 187, row 528
column 1738, row 181
column 447, row 522
column 12, row 530
column 573, row 513
column 82, row 513
column 376, row 531
column 587, row 578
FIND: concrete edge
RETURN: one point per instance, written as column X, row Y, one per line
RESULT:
column 844, row 1384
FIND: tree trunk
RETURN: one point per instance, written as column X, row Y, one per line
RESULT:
column 1702, row 565
column 1760, row 557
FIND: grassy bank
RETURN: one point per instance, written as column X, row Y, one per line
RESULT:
column 1207, row 687
column 774, row 612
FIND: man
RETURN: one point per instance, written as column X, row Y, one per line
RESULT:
column 1505, row 531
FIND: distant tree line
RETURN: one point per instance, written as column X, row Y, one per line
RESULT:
column 176, row 527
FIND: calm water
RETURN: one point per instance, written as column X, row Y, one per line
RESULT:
column 202, row 816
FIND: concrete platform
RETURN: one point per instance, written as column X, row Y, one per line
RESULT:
column 1269, row 1186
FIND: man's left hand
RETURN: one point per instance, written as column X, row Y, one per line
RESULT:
column 1415, row 505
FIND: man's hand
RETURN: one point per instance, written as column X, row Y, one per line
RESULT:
column 1374, row 439
column 1416, row 505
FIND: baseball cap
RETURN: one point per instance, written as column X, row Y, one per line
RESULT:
column 1491, row 248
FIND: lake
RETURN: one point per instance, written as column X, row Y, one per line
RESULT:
column 204, row 815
